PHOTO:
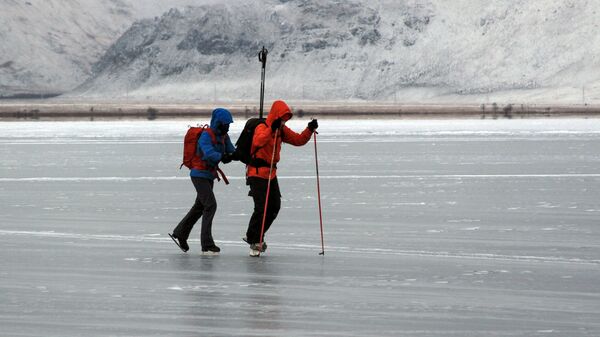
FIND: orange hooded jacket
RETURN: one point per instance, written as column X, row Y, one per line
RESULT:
column 264, row 136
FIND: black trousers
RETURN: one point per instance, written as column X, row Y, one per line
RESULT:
column 258, row 192
column 205, row 206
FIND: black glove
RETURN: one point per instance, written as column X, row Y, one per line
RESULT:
column 226, row 158
column 313, row 125
column 276, row 124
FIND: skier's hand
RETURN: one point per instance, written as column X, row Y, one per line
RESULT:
column 226, row 158
column 276, row 124
column 313, row 125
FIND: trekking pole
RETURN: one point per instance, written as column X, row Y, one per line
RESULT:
column 262, row 227
column 319, row 196
column 262, row 57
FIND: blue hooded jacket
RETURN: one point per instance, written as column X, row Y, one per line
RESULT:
column 212, row 153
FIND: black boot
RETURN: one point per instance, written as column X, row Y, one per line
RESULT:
column 182, row 244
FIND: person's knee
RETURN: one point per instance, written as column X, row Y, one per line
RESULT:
column 273, row 211
column 259, row 206
column 197, row 207
column 211, row 206
column 275, row 205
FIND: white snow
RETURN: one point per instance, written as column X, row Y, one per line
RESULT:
column 49, row 46
column 513, row 51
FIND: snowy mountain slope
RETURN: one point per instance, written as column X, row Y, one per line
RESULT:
column 415, row 50
column 48, row 46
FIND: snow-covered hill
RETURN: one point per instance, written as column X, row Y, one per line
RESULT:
column 408, row 51
column 49, row 46
column 459, row 50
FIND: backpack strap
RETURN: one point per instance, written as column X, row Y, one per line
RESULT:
column 219, row 171
column 258, row 162
column 207, row 128
column 213, row 137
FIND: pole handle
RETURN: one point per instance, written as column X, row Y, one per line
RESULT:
column 262, row 56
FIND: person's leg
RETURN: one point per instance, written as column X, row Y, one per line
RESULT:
column 209, row 202
column 258, row 192
column 274, row 204
column 183, row 229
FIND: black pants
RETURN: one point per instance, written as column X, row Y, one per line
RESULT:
column 258, row 191
column 205, row 206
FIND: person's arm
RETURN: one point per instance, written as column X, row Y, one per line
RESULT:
column 211, row 155
column 229, row 147
column 229, row 154
column 296, row 139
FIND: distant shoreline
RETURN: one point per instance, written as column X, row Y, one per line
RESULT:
column 27, row 110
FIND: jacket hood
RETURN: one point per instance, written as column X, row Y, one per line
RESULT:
column 279, row 109
column 220, row 116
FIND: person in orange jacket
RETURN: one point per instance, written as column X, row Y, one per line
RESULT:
column 257, row 172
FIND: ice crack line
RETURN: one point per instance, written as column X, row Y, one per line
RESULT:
column 158, row 238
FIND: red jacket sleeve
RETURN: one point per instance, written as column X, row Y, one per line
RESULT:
column 296, row 139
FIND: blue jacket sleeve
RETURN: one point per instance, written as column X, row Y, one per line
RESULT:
column 211, row 154
column 229, row 145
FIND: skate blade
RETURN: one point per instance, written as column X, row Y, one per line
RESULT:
column 209, row 253
column 254, row 253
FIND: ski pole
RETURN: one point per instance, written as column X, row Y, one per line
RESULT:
column 262, row 227
column 262, row 57
column 319, row 196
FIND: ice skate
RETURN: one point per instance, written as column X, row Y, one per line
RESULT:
column 254, row 252
column 182, row 244
column 212, row 250
column 255, row 249
column 264, row 246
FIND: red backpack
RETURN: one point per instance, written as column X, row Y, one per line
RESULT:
column 190, row 145
column 191, row 158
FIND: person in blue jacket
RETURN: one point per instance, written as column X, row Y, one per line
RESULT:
column 214, row 146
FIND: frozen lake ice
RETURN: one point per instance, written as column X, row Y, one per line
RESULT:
column 432, row 228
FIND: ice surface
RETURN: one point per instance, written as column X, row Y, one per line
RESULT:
column 432, row 228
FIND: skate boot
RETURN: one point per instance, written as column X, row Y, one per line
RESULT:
column 264, row 246
column 254, row 252
column 256, row 249
column 181, row 243
column 212, row 250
